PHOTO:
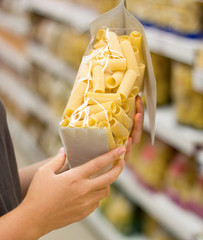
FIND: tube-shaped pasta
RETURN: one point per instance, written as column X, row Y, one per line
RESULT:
column 131, row 103
column 98, row 80
column 137, row 55
column 127, row 84
column 136, row 41
column 103, row 124
column 76, row 98
column 125, row 107
column 140, row 79
column 101, row 34
column 114, row 80
column 130, row 56
column 116, row 64
column 111, row 106
column 118, row 129
column 95, row 98
column 122, row 117
column 85, row 75
column 65, row 122
column 115, row 47
column 102, row 116
column 110, row 138
column 100, row 43
column 135, row 90
column 123, row 38
column 118, row 141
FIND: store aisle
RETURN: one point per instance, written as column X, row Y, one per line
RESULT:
column 76, row 231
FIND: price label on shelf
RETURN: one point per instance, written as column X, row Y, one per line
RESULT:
column 197, row 79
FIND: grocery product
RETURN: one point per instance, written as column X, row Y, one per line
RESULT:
column 162, row 71
column 188, row 102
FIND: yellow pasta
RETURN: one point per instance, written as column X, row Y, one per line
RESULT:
column 130, row 56
column 125, row 107
column 65, row 122
column 98, row 80
column 131, row 103
column 85, row 75
column 102, row 116
column 127, row 84
column 124, row 37
column 114, row 80
column 103, row 124
column 110, row 138
column 122, row 117
column 115, row 47
column 135, row 90
column 101, row 34
column 136, row 41
column 118, row 141
column 95, row 98
column 140, row 79
column 118, row 129
column 100, row 43
column 137, row 55
column 76, row 98
column 116, row 65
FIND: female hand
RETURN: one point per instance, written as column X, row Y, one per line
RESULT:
column 56, row 200
column 137, row 127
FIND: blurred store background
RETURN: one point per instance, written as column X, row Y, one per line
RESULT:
column 159, row 195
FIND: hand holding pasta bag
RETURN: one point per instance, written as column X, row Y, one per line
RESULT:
column 99, row 115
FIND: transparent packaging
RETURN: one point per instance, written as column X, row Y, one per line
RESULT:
column 114, row 69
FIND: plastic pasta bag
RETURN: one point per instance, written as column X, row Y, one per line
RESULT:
column 115, row 68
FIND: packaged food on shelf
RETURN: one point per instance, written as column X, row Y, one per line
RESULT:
column 162, row 71
column 54, row 90
column 150, row 162
column 101, row 105
column 179, row 180
column 65, row 42
column 184, row 17
column 124, row 215
column 188, row 102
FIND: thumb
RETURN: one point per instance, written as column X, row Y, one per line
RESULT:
column 57, row 162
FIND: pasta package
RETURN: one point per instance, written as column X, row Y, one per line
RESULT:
column 114, row 69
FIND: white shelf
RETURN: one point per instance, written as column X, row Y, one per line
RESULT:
column 27, row 100
column 73, row 14
column 28, row 143
column 106, row 230
column 181, row 223
column 14, row 23
column 172, row 46
column 46, row 60
column 184, row 138
column 12, row 57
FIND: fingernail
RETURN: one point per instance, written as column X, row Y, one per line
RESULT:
column 61, row 150
column 122, row 151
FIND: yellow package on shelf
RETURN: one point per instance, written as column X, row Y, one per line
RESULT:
column 115, row 68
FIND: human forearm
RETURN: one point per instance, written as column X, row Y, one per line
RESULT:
column 20, row 224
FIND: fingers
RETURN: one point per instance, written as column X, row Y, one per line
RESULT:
column 92, row 167
column 57, row 162
column 139, row 105
column 109, row 177
column 128, row 149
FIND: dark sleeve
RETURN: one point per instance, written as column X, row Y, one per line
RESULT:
column 10, row 194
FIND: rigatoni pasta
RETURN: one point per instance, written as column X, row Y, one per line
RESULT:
column 108, row 81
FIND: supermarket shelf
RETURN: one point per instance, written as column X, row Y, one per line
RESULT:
column 172, row 46
column 28, row 144
column 46, row 60
column 12, row 57
column 15, row 24
column 184, row 138
column 27, row 100
column 106, row 230
column 75, row 15
column 181, row 223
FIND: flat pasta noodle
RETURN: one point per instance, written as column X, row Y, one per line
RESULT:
column 95, row 98
column 127, row 84
column 114, row 80
column 122, row 117
column 118, row 129
column 98, row 80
